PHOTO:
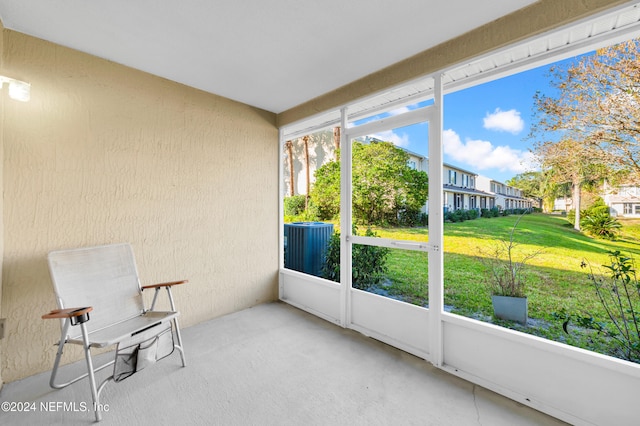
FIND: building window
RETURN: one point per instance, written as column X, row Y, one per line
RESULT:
column 452, row 177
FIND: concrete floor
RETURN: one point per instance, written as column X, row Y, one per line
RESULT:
column 275, row 365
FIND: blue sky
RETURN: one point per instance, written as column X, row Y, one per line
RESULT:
column 486, row 127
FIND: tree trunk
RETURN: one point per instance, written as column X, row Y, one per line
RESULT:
column 289, row 146
column 305, row 139
column 336, row 141
column 577, row 186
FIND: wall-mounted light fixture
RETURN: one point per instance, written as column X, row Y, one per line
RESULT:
column 18, row 90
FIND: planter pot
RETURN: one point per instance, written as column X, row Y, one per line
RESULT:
column 511, row 308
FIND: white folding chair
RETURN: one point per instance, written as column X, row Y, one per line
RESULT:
column 97, row 289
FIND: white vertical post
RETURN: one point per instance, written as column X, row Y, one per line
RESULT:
column 345, row 221
column 280, row 212
column 436, row 227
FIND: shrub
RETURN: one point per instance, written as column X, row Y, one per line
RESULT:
column 620, row 298
column 447, row 216
column 598, row 206
column 409, row 217
column 461, row 215
column 597, row 221
column 472, row 214
column 505, row 276
column 294, row 205
column 601, row 225
column 368, row 266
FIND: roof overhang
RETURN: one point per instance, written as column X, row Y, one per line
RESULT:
column 607, row 28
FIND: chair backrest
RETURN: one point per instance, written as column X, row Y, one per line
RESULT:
column 104, row 277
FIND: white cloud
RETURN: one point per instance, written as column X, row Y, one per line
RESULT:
column 504, row 121
column 482, row 155
column 396, row 139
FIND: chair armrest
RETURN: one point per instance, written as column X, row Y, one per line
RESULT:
column 67, row 313
column 169, row 284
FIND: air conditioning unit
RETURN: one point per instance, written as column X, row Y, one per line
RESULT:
column 306, row 246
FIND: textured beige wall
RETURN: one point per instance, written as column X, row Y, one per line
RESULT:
column 541, row 16
column 103, row 153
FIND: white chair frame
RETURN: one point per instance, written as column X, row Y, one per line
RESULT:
column 104, row 280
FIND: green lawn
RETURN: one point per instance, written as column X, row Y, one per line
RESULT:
column 556, row 283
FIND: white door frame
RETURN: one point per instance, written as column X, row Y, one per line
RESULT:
column 412, row 328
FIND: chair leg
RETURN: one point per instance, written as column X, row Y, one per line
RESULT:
column 175, row 323
column 92, row 378
column 56, row 363
column 179, row 339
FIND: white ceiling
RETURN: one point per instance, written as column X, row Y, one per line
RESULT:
column 272, row 54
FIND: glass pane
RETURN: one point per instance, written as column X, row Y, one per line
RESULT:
column 311, row 201
column 396, row 273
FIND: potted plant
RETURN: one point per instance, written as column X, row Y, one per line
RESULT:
column 505, row 278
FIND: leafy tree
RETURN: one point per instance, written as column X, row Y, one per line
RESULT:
column 384, row 186
column 325, row 194
column 539, row 186
column 529, row 183
column 597, row 105
column 568, row 161
column 412, row 195
column 376, row 187
column 383, row 183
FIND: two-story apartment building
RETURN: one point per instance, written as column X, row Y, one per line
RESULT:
column 623, row 200
column 505, row 196
column 461, row 192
